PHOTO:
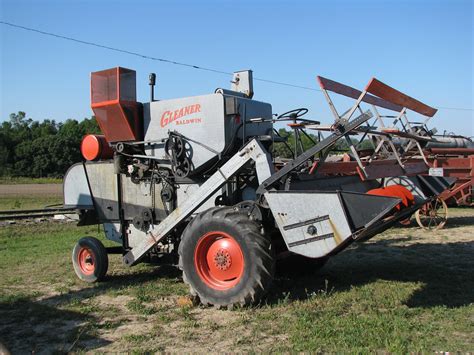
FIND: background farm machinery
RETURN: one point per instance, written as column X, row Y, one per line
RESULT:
column 412, row 147
column 195, row 178
column 452, row 157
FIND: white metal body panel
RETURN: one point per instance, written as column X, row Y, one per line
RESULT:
column 75, row 188
column 292, row 208
column 199, row 118
column 213, row 120
column 186, row 190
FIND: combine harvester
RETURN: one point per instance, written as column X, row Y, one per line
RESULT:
column 194, row 178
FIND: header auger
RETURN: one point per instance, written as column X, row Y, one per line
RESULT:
column 195, row 179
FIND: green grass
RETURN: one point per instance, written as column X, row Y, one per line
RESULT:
column 35, row 264
column 34, row 201
column 28, row 203
column 5, row 180
column 404, row 291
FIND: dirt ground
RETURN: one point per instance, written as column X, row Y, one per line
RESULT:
column 406, row 290
column 30, row 190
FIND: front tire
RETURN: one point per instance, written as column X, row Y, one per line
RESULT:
column 226, row 259
column 90, row 260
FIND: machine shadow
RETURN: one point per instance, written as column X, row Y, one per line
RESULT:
column 115, row 282
column 459, row 221
column 25, row 322
column 29, row 326
column 444, row 271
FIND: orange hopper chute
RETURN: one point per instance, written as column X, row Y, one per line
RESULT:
column 398, row 191
column 113, row 100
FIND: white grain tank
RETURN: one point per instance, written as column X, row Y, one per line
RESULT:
column 210, row 125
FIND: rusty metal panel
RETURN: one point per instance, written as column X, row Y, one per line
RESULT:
column 396, row 97
column 342, row 89
column 376, row 171
column 452, row 151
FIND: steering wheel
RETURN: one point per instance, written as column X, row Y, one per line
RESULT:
column 293, row 114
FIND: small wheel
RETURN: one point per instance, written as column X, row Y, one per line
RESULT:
column 225, row 258
column 90, row 260
column 432, row 215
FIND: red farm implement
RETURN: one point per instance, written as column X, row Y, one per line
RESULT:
column 457, row 163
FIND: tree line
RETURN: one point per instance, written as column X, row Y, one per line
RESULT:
column 307, row 140
column 30, row 148
column 41, row 149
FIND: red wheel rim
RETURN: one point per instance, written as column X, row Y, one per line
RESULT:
column 219, row 260
column 86, row 261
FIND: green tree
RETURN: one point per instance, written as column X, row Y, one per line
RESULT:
column 283, row 151
column 37, row 149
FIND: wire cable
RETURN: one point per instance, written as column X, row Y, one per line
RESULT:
column 169, row 61
column 455, row 108
column 114, row 49
column 144, row 56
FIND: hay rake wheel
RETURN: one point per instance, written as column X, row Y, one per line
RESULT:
column 433, row 215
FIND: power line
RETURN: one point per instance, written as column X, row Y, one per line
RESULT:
column 169, row 61
column 286, row 84
column 455, row 108
column 144, row 56
column 114, row 49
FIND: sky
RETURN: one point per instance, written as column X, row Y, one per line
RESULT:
column 421, row 47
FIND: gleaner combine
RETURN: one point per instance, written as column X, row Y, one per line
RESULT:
column 196, row 178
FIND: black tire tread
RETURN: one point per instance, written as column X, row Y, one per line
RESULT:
column 103, row 260
column 256, row 286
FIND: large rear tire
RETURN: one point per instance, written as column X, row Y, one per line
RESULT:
column 90, row 260
column 226, row 259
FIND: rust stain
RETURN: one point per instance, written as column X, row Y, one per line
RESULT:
column 337, row 235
